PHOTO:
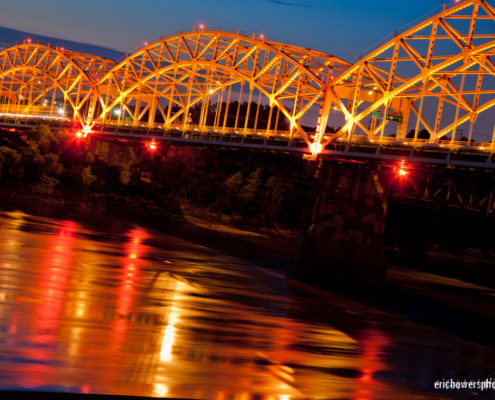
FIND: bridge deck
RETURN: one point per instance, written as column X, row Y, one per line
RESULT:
column 475, row 155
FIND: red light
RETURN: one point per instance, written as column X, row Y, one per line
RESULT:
column 201, row 26
column 28, row 40
column 61, row 49
column 262, row 36
column 146, row 43
column 85, row 131
column 401, row 170
column 153, row 146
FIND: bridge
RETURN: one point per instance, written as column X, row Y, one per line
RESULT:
column 422, row 92
column 424, row 96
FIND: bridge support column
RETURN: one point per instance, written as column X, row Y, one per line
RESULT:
column 345, row 239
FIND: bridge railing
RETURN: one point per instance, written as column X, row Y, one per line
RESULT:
column 360, row 140
column 199, row 129
column 24, row 111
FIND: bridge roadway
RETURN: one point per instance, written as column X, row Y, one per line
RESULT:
column 388, row 149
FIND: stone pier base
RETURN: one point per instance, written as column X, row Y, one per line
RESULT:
column 345, row 240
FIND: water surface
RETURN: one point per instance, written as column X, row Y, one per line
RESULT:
column 121, row 309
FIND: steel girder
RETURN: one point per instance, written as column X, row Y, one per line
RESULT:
column 443, row 62
column 41, row 81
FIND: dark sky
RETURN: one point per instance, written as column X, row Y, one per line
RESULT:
column 340, row 27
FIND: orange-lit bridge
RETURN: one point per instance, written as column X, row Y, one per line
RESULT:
column 425, row 96
column 430, row 89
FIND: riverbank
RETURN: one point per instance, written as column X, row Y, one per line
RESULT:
column 228, row 233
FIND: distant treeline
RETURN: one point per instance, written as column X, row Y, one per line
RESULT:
column 220, row 114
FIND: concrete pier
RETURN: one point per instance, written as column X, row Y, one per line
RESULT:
column 345, row 238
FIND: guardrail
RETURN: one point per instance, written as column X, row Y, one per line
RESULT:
column 480, row 155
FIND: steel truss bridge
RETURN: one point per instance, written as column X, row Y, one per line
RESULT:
column 214, row 87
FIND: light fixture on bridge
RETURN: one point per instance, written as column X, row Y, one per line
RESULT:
column 61, row 111
column 262, row 36
column 84, row 132
column 202, row 27
column 116, row 111
column 316, row 148
column 28, row 40
column 152, row 146
column 146, row 43
column 402, row 170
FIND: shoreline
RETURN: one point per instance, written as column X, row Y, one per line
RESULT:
column 229, row 234
column 220, row 232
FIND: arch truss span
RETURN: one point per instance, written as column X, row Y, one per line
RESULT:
column 432, row 81
column 214, row 80
column 38, row 81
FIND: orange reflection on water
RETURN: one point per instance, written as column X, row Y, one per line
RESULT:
column 54, row 279
column 134, row 250
column 169, row 333
column 54, row 269
column 373, row 343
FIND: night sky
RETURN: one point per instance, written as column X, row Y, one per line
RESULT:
column 344, row 28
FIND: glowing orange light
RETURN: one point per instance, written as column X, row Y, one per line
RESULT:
column 79, row 134
column 28, row 40
column 402, row 172
column 201, row 26
column 316, row 148
column 146, row 43
column 62, row 49
column 262, row 36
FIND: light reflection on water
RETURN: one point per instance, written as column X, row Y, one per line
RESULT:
column 106, row 312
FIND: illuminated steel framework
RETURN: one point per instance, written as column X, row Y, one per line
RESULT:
column 48, row 83
column 215, row 72
column 437, row 76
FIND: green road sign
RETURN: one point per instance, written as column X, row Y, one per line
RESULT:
column 394, row 118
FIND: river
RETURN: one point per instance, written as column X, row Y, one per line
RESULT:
column 113, row 308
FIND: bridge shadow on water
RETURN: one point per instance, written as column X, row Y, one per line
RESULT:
column 449, row 312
